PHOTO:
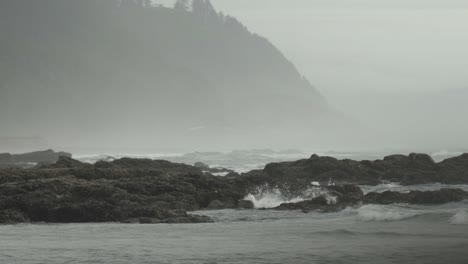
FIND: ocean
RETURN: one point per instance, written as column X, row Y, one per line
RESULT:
column 370, row 234
column 373, row 234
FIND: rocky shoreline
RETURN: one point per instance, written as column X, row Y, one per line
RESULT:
column 156, row 191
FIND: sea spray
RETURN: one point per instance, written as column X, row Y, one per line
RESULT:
column 270, row 197
column 460, row 218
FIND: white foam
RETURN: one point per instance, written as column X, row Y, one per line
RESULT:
column 373, row 212
column 266, row 197
column 220, row 174
column 460, row 218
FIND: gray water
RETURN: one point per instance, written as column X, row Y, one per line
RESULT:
column 369, row 234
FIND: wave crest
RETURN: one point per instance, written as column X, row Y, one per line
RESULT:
column 460, row 218
column 373, row 212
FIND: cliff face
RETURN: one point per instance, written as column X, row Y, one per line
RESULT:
column 97, row 72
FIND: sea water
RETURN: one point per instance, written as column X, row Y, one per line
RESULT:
column 373, row 234
column 368, row 234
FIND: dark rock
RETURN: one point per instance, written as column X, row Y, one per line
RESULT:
column 74, row 192
column 12, row 216
column 308, row 205
column 202, row 166
column 216, row 205
column 196, row 219
column 68, row 163
column 178, row 220
column 157, row 165
column 408, row 170
column 130, row 221
column 38, row 157
column 6, row 158
column 148, row 220
column 70, row 191
column 245, row 204
column 417, row 197
column 348, row 194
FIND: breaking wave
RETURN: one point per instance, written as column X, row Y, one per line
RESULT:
column 266, row 197
column 372, row 212
column 460, row 218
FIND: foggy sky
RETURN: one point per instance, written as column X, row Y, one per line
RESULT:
column 398, row 66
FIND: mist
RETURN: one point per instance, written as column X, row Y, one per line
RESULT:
column 398, row 67
column 328, row 75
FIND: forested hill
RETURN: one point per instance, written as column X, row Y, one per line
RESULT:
column 121, row 73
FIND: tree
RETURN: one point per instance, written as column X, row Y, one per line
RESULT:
column 182, row 5
column 204, row 9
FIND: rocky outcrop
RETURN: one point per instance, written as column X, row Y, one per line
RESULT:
column 71, row 191
column 408, row 170
column 31, row 159
column 156, row 191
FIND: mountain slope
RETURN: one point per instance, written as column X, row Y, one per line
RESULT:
column 100, row 73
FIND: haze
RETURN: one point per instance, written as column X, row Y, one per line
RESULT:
column 399, row 67
column 379, row 75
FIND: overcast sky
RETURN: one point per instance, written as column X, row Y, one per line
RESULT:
column 360, row 45
column 401, row 61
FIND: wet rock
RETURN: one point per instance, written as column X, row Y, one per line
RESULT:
column 346, row 194
column 75, row 192
column 130, row 221
column 409, row 169
column 148, row 220
column 417, row 197
column 216, row 205
column 12, row 216
column 245, row 204
column 198, row 219
column 308, row 205
column 70, row 191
